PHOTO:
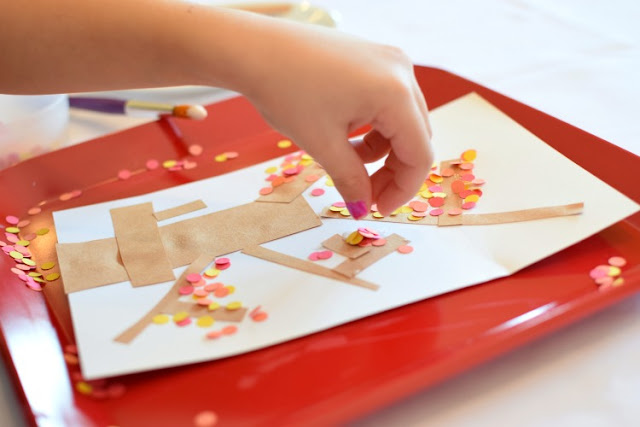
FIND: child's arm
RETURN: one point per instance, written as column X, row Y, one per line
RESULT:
column 312, row 84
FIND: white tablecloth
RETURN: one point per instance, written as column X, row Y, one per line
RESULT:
column 576, row 60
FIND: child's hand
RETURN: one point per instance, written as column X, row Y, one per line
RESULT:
column 316, row 85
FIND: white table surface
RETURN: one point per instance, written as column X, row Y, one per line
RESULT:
column 576, row 60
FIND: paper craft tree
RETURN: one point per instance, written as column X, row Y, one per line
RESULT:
column 145, row 254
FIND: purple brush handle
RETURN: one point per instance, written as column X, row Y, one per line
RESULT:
column 103, row 105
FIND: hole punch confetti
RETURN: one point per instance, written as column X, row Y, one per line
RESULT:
column 200, row 293
column 205, row 321
column 193, row 278
column 466, row 166
column 325, row 254
column 608, row 276
column 222, row 263
column 205, row 419
column 405, row 249
column 436, row 202
column 185, row 290
column 221, row 292
column 212, row 273
column 47, row 265
column 195, row 149
column 214, row 334
column 160, row 319
column 235, row 305
column 52, row 277
column 447, row 172
column 124, row 174
column 260, row 316
column 229, row 330
column 205, row 302
column 285, row 143
column 469, row 155
column 184, row 322
column 152, row 164
column 83, row 388
column 617, row 261
column 434, row 177
column 354, row 238
column 12, row 219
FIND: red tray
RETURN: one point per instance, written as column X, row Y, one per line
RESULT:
column 327, row 377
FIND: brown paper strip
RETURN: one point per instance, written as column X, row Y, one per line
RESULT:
column 89, row 260
column 337, row 244
column 221, row 314
column 288, row 191
column 351, row 267
column 180, row 210
column 452, row 200
column 140, row 245
column 450, row 220
column 166, row 302
column 481, row 219
column 230, row 230
column 398, row 219
column 523, row 215
column 302, row 265
column 90, row 264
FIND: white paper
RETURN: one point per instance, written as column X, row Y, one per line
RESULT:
column 521, row 172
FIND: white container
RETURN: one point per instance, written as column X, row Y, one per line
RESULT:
column 31, row 125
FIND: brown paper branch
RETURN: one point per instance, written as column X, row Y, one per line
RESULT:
column 140, row 245
column 337, row 244
column 180, row 210
column 523, row 215
column 303, row 265
column 90, row 264
column 166, row 303
column 479, row 219
column 351, row 267
column 288, row 191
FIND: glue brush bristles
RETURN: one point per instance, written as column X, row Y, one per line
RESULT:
column 195, row 112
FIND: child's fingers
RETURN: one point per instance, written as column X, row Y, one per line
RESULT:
column 389, row 185
column 409, row 161
column 373, row 146
column 347, row 171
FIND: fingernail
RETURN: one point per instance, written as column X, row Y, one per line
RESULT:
column 357, row 209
